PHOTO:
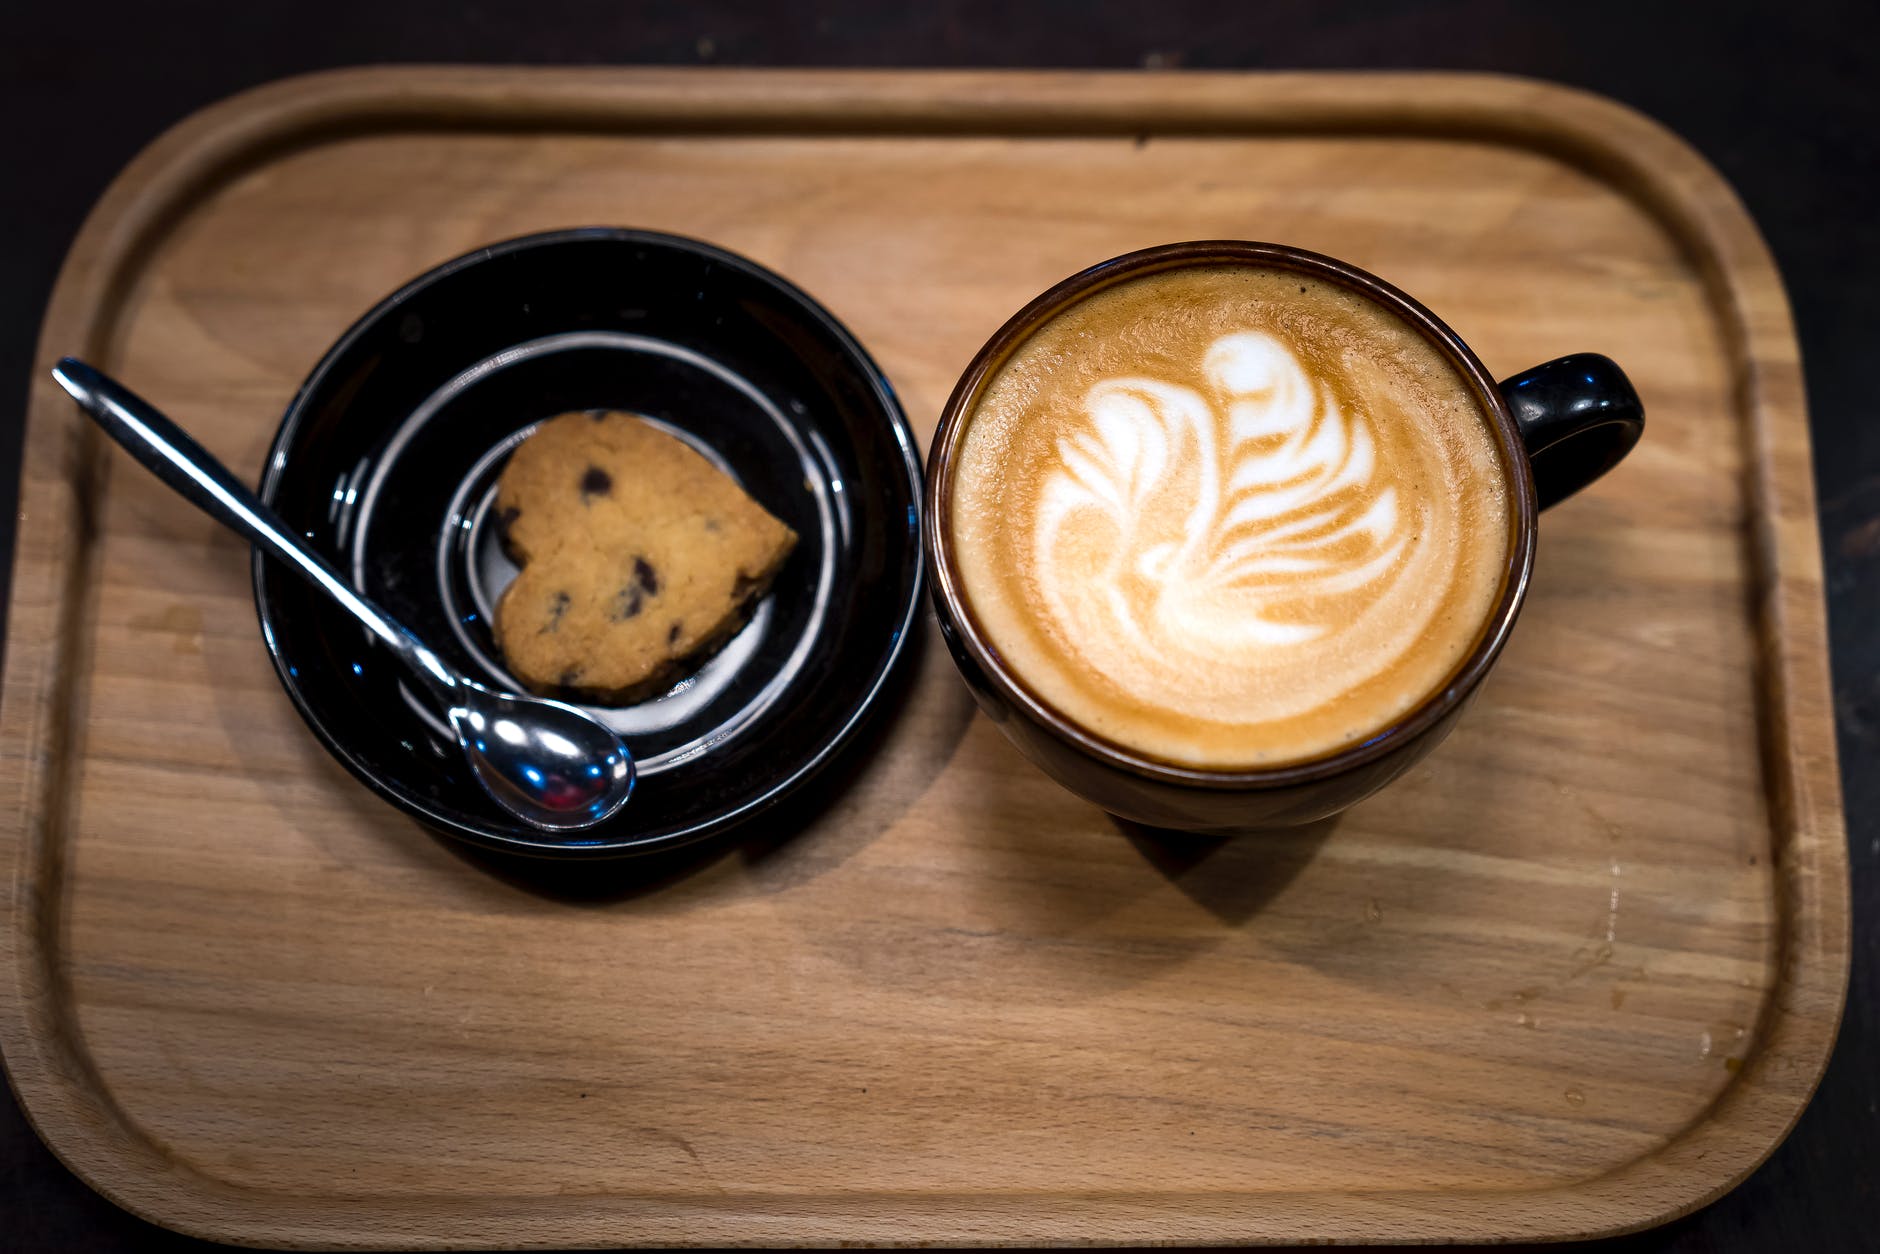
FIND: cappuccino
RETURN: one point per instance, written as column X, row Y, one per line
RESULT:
column 1230, row 517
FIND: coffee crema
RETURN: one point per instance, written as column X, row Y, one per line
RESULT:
column 1229, row 517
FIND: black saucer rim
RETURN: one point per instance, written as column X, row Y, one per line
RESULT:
column 519, row 841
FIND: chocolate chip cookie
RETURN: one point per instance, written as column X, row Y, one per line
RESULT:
column 638, row 557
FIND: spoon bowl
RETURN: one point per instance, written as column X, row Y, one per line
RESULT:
column 561, row 775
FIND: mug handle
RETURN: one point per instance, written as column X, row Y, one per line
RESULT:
column 1578, row 416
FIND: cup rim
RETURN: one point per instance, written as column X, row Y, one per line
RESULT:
column 966, row 628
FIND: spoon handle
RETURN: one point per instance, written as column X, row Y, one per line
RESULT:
column 168, row 451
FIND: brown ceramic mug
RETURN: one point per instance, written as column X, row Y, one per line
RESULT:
column 1552, row 430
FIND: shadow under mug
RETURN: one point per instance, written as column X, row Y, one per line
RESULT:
column 1559, row 426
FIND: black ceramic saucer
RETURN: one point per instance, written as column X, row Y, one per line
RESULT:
column 387, row 461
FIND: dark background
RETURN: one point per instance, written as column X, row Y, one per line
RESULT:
column 1784, row 98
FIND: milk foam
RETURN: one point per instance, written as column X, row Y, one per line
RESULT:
column 1228, row 526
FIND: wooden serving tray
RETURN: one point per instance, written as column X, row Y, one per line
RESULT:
column 1577, row 974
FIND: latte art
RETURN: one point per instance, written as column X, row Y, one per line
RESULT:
column 1224, row 520
column 1269, row 484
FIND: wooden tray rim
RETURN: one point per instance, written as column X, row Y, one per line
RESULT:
column 42, row 703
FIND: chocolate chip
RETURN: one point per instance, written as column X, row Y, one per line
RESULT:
column 596, row 482
column 711, row 524
column 598, row 415
column 569, row 678
column 640, row 587
column 672, row 637
column 557, row 606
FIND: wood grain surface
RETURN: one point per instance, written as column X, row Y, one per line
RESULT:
column 1576, row 974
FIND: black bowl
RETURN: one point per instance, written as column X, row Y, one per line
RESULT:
column 387, row 461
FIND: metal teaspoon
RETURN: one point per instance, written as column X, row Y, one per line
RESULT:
column 551, row 765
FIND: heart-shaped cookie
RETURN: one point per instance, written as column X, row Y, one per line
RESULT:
column 638, row 557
